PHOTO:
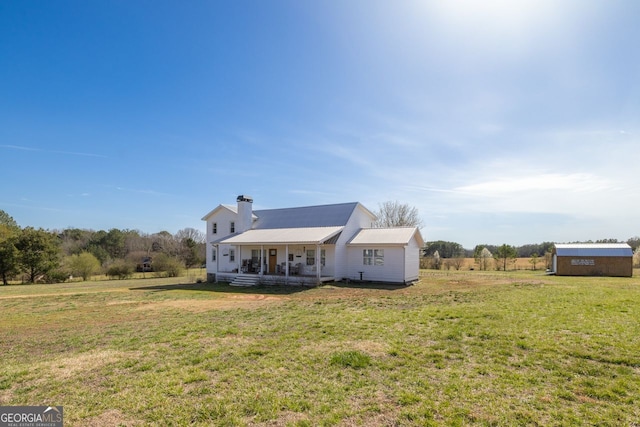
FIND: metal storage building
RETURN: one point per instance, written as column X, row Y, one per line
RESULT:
column 593, row 259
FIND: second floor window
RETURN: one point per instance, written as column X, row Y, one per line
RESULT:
column 214, row 228
column 232, row 228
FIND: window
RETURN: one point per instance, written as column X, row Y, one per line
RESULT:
column 378, row 255
column 214, row 228
column 373, row 257
column 367, row 257
column 232, row 227
column 255, row 257
column 232, row 255
column 213, row 254
column 311, row 257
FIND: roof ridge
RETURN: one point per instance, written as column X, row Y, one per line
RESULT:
column 306, row 207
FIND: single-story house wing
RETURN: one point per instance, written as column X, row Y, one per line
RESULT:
column 397, row 247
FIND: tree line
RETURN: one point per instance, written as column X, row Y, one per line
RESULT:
column 35, row 255
column 443, row 254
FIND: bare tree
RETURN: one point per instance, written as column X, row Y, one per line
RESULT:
column 191, row 233
column 396, row 214
column 165, row 242
column 457, row 262
column 192, row 246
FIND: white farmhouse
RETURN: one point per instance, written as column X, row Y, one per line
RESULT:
column 307, row 245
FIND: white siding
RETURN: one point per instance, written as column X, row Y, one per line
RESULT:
column 391, row 271
column 412, row 261
column 360, row 218
column 224, row 258
column 223, row 217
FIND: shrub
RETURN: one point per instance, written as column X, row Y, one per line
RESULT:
column 56, row 276
column 167, row 266
column 83, row 265
column 120, row 269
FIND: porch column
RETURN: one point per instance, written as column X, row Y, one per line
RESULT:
column 286, row 263
column 239, row 262
column 261, row 260
column 318, row 266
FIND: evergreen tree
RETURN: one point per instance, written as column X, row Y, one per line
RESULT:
column 39, row 252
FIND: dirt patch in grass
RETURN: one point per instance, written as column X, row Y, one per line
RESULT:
column 64, row 294
column 69, row 366
column 372, row 348
column 112, row 417
column 198, row 306
column 66, row 368
column 123, row 302
column 285, row 418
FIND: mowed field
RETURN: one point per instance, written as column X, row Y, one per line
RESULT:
column 456, row 348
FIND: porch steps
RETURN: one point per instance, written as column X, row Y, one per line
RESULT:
column 245, row 281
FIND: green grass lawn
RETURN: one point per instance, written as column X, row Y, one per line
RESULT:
column 457, row 348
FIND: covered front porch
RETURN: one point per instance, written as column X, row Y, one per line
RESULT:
column 278, row 256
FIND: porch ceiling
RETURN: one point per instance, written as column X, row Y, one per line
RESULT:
column 284, row 236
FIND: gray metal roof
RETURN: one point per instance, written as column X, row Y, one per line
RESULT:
column 304, row 217
column 594, row 249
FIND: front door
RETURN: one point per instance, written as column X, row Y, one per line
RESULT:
column 273, row 260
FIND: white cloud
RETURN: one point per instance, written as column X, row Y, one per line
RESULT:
column 40, row 150
column 504, row 187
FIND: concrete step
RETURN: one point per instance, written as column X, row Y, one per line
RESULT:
column 245, row 281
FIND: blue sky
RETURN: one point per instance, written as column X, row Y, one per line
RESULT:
column 500, row 121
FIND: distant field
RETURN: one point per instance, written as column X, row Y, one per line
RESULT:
column 457, row 348
column 518, row 264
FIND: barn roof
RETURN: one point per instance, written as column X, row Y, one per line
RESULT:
column 386, row 236
column 594, row 249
